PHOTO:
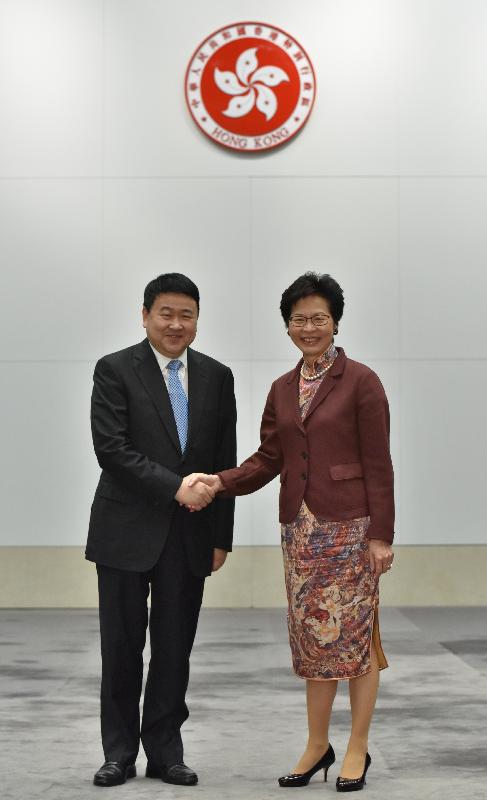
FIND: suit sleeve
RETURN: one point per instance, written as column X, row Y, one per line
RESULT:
column 113, row 448
column 373, row 425
column 261, row 467
column 226, row 457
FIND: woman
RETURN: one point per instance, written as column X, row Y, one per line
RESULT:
column 325, row 430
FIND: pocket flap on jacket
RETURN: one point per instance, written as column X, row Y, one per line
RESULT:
column 341, row 472
column 114, row 492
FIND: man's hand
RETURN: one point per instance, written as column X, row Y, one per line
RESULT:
column 219, row 558
column 380, row 556
column 195, row 496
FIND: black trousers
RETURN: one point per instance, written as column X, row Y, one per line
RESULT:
column 176, row 596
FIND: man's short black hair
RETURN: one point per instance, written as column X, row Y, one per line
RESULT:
column 313, row 283
column 170, row 282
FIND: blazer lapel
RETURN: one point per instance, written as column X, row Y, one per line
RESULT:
column 293, row 395
column 329, row 382
column 148, row 370
column 198, row 379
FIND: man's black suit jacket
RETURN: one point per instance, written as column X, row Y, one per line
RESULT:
column 137, row 446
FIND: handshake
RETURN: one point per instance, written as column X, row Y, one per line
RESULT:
column 198, row 490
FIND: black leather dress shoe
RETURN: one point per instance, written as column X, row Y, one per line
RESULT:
column 303, row 778
column 113, row 773
column 354, row 784
column 179, row 774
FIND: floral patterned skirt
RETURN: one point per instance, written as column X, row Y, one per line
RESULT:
column 332, row 595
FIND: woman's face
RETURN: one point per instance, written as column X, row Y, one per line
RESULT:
column 311, row 339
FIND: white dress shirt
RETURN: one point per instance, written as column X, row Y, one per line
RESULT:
column 163, row 361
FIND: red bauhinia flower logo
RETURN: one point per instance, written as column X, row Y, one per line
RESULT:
column 250, row 86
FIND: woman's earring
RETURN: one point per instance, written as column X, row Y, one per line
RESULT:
column 335, row 331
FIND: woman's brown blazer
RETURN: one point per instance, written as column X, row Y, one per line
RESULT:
column 337, row 459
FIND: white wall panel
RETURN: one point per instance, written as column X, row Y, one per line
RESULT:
column 48, row 469
column 354, row 46
column 347, row 227
column 51, row 276
column 443, row 445
column 198, row 227
column 443, row 277
column 353, row 127
column 442, row 87
column 51, row 87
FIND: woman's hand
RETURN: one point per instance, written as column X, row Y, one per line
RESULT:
column 212, row 481
column 380, row 556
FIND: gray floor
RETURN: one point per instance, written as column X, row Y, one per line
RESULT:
column 248, row 720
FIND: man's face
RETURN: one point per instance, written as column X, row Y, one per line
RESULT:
column 171, row 323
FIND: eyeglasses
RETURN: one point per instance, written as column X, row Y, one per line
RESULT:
column 318, row 320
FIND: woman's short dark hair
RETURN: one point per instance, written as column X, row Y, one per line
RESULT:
column 170, row 282
column 312, row 283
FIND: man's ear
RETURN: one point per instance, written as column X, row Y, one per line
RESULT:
column 145, row 314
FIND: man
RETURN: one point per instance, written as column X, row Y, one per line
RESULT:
column 160, row 411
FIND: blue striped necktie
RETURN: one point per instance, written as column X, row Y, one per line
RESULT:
column 179, row 401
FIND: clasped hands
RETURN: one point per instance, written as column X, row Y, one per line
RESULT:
column 198, row 490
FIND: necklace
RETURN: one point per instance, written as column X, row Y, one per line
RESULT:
column 316, row 375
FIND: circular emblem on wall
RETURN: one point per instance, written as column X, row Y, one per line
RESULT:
column 250, row 87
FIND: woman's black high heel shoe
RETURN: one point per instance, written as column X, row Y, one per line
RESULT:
column 303, row 778
column 354, row 784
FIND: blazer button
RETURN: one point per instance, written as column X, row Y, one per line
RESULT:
column 304, row 476
column 305, row 455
